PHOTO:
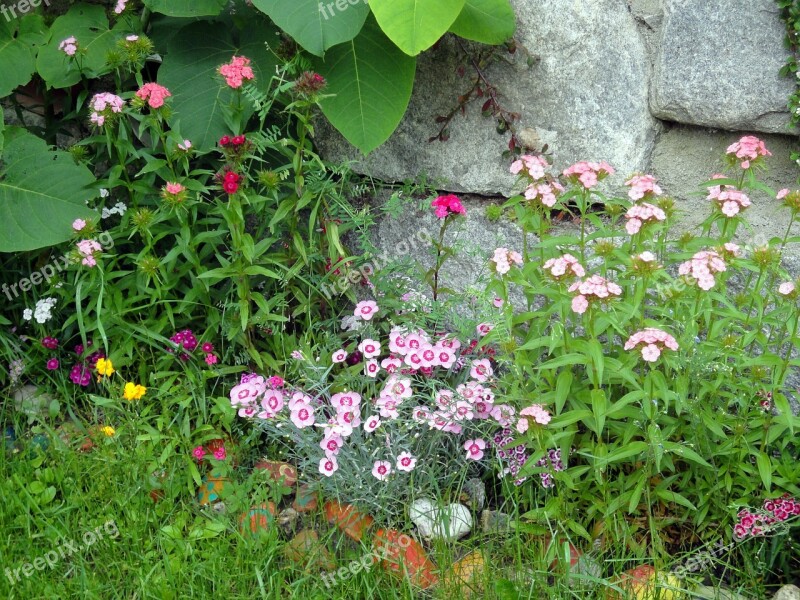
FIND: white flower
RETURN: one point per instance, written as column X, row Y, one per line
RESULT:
column 27, row 314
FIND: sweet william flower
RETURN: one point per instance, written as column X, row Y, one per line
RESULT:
column 52, row 364
column 69, row 46
column 198, row 453
column 448, row 205
column 237, row 71
column 154, row 94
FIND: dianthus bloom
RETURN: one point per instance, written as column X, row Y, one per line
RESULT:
column 52, row 364
column 406, row 462
column 652, row 342
column 198, row 453
column 365, row 309
column 448, row 205
column 475, row 449
column 104, row 105
column 50, row 343
column 120, row 7
column 702, row 267
column 641, row 186
column 790, row 199
column 69, row 46
column 747, row 150
column 593, row 288
column 154, row 94
column 78, row 225
column 382, row 469
column 642, row 214
column 309, row 84
column 237, row 71
column 546, row 193
column 230, row 182
column 588, row 174
column 729, row 199
column 133, row 391
column 87, row 250
column 787, row 288
column 759, row 522
column 564, row 265
column 502, row 259
column 536, row 412
column 185, row 146
column 533, row 166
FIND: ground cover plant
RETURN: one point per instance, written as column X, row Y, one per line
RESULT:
column 208, row 393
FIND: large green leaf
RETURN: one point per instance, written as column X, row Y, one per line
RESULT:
column 2, row 130
column 317, row 25
column 372, row 82
column 189, row 71
column 41, row 193
column 415, row 25
column 88, row 24
column 19, row 41
column 186, row 8
column 485, row 21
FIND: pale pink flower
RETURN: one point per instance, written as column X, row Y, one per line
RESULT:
column 78, row 225
column 641, row 186
column 786, row 288
column 272, row 402
column 370, row 348
column 503, row 413
column 588, row 174
column 484, row 328
column 498, row 302
column 174, row 188
column 365, row 309
column 642, row 214
column 728, row 199
column 391, row 364
column 381, row 470
column 481, row 369
column 371, row 368
column 503, row 258
column 579, row 304
column 566, row 265
column 475, row 449
column 132, row 38
column 652, row 341
column 302, row 416
column 120, row 7
column 702, row 267
column 372, row 423
column 69, row 46
column 539, row 414
column 154, row 94
column 406, row 462
column 747, row 149
column 522, row 425
column 331, row 444
column 185, row 145
column 328, row 466
column 339, row 356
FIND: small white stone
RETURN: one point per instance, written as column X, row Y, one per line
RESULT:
column 443, row 523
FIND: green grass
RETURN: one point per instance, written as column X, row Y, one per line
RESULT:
column 176, row 549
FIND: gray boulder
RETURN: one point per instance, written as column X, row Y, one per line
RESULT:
column 581, row 87
column 717, row 65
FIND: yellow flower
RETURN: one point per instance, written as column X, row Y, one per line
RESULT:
column 108, row 430
column 104, row 367
column 133, row 391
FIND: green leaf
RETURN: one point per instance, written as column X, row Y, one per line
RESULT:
column 89, row 25
column 764, row 469
column 675, row 497
column 372, row 82
column 41, row 193
column 627, row 451
column 599, row 406
column 563, row 385
column 485, row 21
column 186, row 8
column 415, row 25
column 19, row 41
column 560, row 361
column 685, row 452
column 317, row 25
column 200, row 97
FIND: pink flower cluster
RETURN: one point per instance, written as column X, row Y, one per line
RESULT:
column 588, row 174
column 69, row 46
column 652, row 341
column 641, row 186
column 702, row 267
column 536, row 412
column 642, row 214
column 755, row 523
column 81, row 373
column 154, row 94
column 237, row 71
column 533, row 165
column 729, row 199
column 787, row 288
column 546, row 193
column 748, row 149
column 502, row 259
column 593, row 288
column 87, row 249
column 218, row 452
column 103, row 105
column 448, row 205
column 564, row 265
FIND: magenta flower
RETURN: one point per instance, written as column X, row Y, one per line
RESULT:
column 50, row 343
column 448, row 205
column 220, row 453
column 52, row 364
column 199, row 453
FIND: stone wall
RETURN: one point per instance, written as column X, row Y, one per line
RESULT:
column 660, row 86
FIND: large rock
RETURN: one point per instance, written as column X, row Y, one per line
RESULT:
column 585, row 95
column 718, row 65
